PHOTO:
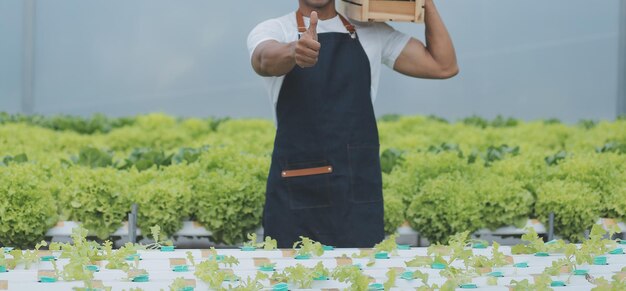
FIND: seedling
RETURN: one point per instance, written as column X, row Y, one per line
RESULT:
column 596, row 245
column 210, row 272
column 381, row 250
column 307, row 247
column 117, row 259
column 392, row 274
column 353, row 275
column 268, row 244
column 179, row 284
column 320, row 272
column 5, row 264
column 251, row 284
column 190, row 258
column 158, row 244
column 252, row 243
column 536, row 245
column 542, row 283
column 618, row 283
column 28, row 257
column 300, row 275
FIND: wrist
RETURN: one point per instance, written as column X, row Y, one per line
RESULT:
column 292, row 51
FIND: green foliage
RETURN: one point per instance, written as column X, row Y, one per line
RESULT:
column 17, row 159
column 28, row 257
column 252, row 241
column 493, row 154
column 390, row 158
column 98, row 123
column 97, row 198
column 541, row 283
column 178, row 284
column 300, row 275
column 93, row 158
column 587, row 124
column 210, row 272
column 27, row 207
column 555, row 159
column 188, row 155
column 388, row 245
column 392, row 275
column 576, row 207
column 535, row 244
column 155, row 231
column 165, row 199
column 308, row 247
column 446, row 147
column 353, row 276
column 499, row 121
column 223, row 164
column 602, row 173
column 394, row 212
column 389, row 118
column 80, row 254
column 504, row 201
column 612, row 147
column 146, row 158
column 618, row 283
column 116, row 260
column 596, row 244
column 445, row 206
column 229, row 193
column 268, row 244
column 252, row 284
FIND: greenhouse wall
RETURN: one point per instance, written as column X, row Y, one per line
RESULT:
column 526, row 59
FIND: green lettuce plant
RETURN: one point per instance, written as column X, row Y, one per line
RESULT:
column 165, row 200
column 27, row 208
column 80, row 254
column 229, row 194
column 307, row 247
column 209, row 271
column 603, row 173
column 575, row 205
column 352, row 275
column 97, row 198
column 504, row 201
column 445, row 206
column 394, row 211
column 535, row 244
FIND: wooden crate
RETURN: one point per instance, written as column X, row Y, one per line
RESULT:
column 383, row 10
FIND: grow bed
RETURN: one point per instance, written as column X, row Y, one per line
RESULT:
column 159, row 267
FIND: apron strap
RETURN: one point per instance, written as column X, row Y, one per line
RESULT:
column 301, row 28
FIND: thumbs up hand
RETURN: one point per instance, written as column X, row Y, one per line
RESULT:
column 307, row 47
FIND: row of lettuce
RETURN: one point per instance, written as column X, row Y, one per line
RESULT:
column 442, row 178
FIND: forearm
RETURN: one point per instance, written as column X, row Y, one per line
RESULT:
column 274, row 58
column 438, row 40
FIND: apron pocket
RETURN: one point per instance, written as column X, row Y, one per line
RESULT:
column 308, row 184
column 366, row 184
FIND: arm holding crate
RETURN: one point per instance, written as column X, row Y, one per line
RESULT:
column 434, row 60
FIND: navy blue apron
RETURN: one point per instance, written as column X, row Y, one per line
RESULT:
column 325, row 179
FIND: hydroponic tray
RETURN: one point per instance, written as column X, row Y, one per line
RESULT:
column 159, row 267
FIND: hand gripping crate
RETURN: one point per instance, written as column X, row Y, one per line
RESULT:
column 383, row 10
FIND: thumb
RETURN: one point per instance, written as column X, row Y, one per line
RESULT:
column 313, row 25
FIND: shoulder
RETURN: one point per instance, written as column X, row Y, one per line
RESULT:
column 275, row 29
column 278, row 22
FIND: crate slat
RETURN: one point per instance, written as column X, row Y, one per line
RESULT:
column 383, row 10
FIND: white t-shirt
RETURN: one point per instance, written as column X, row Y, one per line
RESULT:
column 381, row 43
